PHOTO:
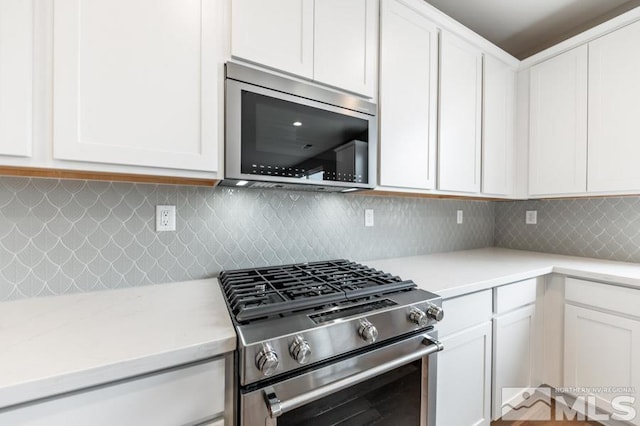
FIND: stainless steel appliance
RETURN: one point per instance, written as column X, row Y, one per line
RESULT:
column 284, row 133
column 333, row 343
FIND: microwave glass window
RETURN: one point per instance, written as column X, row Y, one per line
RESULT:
column 281, row 138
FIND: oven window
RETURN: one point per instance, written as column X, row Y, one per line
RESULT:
column 392, row 398
column 286, row 139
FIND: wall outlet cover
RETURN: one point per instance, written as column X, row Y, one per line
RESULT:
column 531, row 217
column 368, row 217
column 165, row 218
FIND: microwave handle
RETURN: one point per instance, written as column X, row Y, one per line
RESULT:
column 277, row 407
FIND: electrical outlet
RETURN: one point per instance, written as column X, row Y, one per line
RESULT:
column 368, row 217
column 531, row 217
column 165, row 218
column 460, row 217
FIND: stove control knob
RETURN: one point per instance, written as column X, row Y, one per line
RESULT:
column 435, row 312
column 300, row 350
column 368, row 331
column 267, row 360
column 417, row 316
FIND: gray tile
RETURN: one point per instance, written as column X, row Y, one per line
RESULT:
column 607, row 228
column 61, row 237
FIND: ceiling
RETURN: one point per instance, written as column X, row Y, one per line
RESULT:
column 525, row 27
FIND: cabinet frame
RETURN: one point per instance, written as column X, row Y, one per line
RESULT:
column 67, row 110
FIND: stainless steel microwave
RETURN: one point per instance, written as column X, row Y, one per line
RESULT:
column 282, row 133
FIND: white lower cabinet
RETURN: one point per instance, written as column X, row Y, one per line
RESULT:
column 602, row 344
column 513, row 355
column 464, row 378
column 464, row 366
column 515, row 346
column 191, row 395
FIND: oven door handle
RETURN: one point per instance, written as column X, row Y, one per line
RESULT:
column 277, row 407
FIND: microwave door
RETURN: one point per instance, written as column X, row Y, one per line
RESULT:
column 273, row 136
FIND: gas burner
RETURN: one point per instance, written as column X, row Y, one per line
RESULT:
column 254, row 294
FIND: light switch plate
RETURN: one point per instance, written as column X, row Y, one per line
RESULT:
column 531, row 217
column 460, row 217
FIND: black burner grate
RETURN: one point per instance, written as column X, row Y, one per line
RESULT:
column 264, row 292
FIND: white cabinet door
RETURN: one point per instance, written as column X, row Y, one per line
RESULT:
column 346, row 44
column 178, row 397
column 602, row 350
column 277, row 34
column 16, row 65
column 513, row 355
column 614, row 111
column 459, row 149
column 464, row 378
column 558, row 125
column 137, row 82
column 408, row 97
column 498, row 123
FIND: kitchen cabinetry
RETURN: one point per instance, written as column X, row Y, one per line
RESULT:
column 275, row 34
column 334, row 42
column 459, row 150
column 408, row 90
column 614, row 128
column 16, row 65
column 186, row 395
column 498, row 156
column 346, row 44
column 558, row 124
column 464, row 367
column 602, row 339
column 138, row 88
column 514, row 342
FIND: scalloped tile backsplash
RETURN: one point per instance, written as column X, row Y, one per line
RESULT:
column 63, row 236
column 605, row 228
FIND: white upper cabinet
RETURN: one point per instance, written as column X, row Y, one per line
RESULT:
column 16, row 65
column 408, row 93
column 137, row 82
column 498, row 154
column 277, row 34
column 346, row 44
column 614, row 111
column 558, row 124
column 334, row 42
column 459, row 149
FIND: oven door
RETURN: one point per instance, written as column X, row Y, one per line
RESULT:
column 392, row 384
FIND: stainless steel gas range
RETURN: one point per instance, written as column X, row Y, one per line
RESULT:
column 330, row 343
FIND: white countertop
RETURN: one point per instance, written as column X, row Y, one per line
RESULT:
column 56, row 344
column 457, row 273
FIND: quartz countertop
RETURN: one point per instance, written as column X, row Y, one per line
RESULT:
column 461, row 272
column 53, row 345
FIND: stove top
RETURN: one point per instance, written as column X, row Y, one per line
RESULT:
column 254, row 294
column 295, row 316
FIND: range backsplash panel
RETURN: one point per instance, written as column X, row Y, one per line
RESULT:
column 64, row 236
column 605, row 228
